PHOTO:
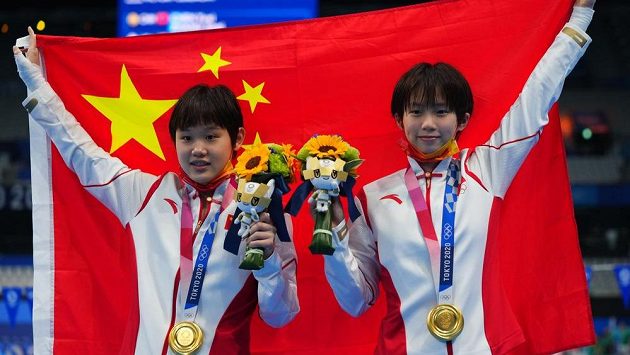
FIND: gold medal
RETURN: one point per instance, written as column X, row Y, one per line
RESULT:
column 445, row 322
column 185, row 338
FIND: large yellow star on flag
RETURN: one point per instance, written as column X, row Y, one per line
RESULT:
column 213, row 62
column 132, row 116
column 253, row 95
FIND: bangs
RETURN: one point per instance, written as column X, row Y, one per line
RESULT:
column 427, row 96
column 426, row 84
column 203, row 105
column 202, row 112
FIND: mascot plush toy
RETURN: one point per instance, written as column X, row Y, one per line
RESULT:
column 252, row 198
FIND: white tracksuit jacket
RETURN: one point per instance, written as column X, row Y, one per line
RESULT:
column 386, row 243
column 150, row 206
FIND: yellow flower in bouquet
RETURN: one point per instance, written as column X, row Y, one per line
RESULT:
column 326, row 146
column 252, row 161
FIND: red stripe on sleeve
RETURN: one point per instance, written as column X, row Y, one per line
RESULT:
column 109, row 182
column 151, row 192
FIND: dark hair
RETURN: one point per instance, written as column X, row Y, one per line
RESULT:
column 204, row 105
column 424, row 82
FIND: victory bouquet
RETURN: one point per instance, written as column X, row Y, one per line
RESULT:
column 329, row 168
column 263, row 171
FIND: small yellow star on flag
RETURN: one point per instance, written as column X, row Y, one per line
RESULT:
column 213, row 62
column 132, row 116
column 257, row 142
column 253, row 95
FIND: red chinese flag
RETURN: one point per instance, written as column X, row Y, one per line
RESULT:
column 331, row 75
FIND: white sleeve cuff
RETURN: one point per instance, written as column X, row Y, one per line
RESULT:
column 271, row 267
column 341, row 228
column 43, row 94
column 581, row 17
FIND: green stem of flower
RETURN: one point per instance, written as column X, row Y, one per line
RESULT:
column 322, row 236
column 253, row 259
